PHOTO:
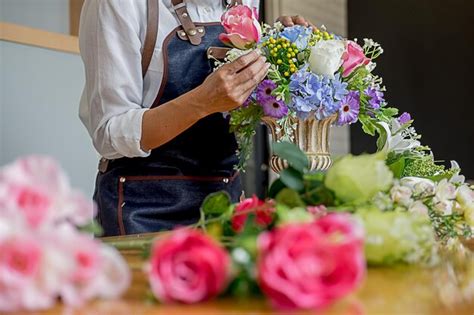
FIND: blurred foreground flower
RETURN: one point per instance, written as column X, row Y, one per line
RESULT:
column 43, row 255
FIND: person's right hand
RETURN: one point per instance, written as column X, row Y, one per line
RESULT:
column 231, row 85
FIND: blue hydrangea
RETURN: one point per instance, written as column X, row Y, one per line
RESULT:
column 298, row 34
column 314, row 94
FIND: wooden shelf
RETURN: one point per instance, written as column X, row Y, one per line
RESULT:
column 38, row 38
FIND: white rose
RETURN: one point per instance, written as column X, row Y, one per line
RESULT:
column 421, row 187
column 465, row 195
column 401, row 195
column 326, row 57
column 419, row 208
column 445, row 191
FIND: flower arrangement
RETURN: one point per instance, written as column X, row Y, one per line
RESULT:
column 41, row 216
column 314, row 74
column 308, row 244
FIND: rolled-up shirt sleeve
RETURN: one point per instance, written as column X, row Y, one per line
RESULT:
column 111, row 105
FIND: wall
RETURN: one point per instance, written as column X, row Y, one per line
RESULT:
column 427, row 67
column 38, row 110
column 50, row 15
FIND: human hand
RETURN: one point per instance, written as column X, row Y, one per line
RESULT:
column 231, row 85
column 294, row 20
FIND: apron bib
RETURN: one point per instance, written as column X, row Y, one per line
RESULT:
column 166, row 189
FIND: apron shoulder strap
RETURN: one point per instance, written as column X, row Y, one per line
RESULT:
column 151, row 34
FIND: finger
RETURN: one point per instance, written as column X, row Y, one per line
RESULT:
column 255, row 81
column 286, row 20
column 312, row 25
column 250, row 72
column 299, row 20
column 242, row 62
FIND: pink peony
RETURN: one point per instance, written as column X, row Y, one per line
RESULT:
column 354, row 57
column 310, row 265
column 263, row 213
column 188, row 267
column 242, row 27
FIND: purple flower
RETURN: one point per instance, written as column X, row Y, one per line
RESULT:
column 404, row 118
column 274, row 108
column 349, row 110
column 376, row 97
column 264, row 91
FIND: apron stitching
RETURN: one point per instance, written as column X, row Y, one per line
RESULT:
column 120, row 205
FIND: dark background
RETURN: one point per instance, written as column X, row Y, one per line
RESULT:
column 428, row 68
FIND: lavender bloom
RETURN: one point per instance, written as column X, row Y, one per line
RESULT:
column 274, row 108
column 376, row 97
column 404, row 118
column 298, row 34
column 349, row 110
column 264, row 91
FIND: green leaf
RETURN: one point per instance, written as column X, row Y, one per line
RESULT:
column 275, row 188
column 367, row 125
column 382, row 139
column 292, row 154
column 398, row 167
column 290, row 198
column 292, row 179
column 93, row 228
column 216, row 204
column 296, row 215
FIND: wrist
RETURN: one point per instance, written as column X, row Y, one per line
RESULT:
column 198, row 101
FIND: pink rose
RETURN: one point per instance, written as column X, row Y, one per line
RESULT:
column 188, row 267
column 310, row 265
column 263, row 213
column 317, row 211
column 40, row 192
column 354, row 57
column 242, row 27
column 21, row 260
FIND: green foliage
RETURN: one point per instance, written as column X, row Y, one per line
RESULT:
column 243, row 122
column 288, row 215
column 216, row 204
column 93, row 228
column 296, row 158
column 292, row 179
column 289, row 198
column 450, row 226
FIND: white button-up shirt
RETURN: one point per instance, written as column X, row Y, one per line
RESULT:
column 115, row 96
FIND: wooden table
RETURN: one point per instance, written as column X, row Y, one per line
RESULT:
column 402, row 290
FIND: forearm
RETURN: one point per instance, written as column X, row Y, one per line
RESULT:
column 165, row 122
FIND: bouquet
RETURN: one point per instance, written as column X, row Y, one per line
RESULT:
column 46, row 250
column 314, row 74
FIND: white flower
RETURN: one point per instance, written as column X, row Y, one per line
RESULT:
column 457, row 178
column 445, row 191
column 421, row 187
column 419, row 208
column 326, row 57
column 465, row 195
column 401, row 195
column 396, row 141
column 444, row 207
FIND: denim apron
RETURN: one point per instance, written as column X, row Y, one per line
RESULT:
column 166, row 189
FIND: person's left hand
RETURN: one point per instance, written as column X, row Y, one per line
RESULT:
column 294, row 20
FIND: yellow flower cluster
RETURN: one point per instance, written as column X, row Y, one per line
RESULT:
column 321, row 35
column 282, row 53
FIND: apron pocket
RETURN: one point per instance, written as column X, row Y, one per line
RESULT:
column 157, row 203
